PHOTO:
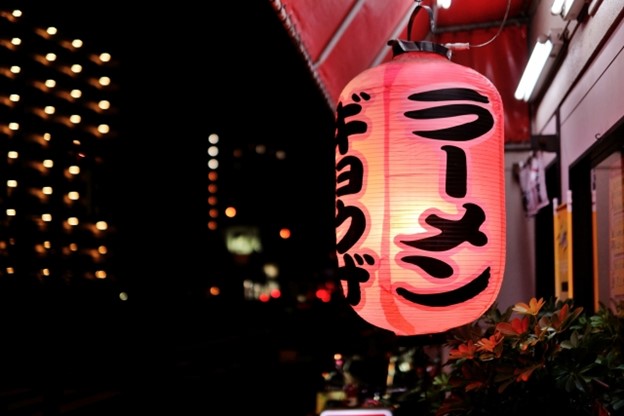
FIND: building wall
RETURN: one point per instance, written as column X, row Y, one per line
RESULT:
column 584, row 99
column 57, row 124
column 519, row 279
column 586, row 81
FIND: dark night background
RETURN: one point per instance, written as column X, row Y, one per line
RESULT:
column 186, row 70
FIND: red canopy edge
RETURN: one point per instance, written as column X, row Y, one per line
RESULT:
column 288, row 23
column 339, row 39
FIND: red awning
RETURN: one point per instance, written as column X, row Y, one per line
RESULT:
column 341, row 38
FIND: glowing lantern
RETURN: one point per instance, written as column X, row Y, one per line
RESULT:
column 420, row 207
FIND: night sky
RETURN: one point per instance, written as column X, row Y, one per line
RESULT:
column 218, row 67
column 222, row 68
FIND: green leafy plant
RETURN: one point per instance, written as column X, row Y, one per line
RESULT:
column 547, row 356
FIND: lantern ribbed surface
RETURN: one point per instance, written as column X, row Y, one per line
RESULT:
column 420, row 207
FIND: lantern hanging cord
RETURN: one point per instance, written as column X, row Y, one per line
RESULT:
column 465, row 45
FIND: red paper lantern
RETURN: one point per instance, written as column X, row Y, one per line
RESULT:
column 420, row 206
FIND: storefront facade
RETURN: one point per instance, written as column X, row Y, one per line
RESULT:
column 580, row 108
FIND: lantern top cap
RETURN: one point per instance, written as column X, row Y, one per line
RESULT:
column 401, row 46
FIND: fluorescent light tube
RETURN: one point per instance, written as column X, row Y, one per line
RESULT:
column 557, row 7
column 533, row 70
column 567, row 9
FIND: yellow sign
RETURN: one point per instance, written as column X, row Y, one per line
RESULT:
column 563, row 249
